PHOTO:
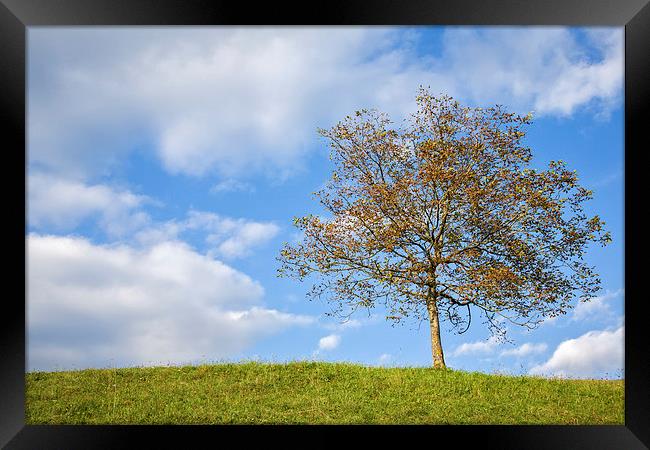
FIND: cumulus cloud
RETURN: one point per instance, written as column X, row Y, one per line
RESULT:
column 241, row 236
column 479, row 347
column 593, row 354
column 226, row 99
column 596, row 307
column 95, row 305
column 62, row 204
column 544, row 69
column 329, row 342
column 228, row 237
column 525, row 350
column 235, row 101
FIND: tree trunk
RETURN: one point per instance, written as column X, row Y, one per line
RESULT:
column 436, row 344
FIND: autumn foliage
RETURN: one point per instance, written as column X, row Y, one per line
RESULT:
column 445, row 218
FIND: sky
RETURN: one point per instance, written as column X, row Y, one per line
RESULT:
column 165, row 167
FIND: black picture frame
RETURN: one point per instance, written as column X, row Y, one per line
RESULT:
column 17, row 15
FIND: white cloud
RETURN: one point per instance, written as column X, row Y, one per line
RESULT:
column 479, row 347
column 596, row 307
column 329, row 342
column 239, row 101
column 544, row 69
column 62, row 204
column 551, row 320
column 232, row 185
column 160, row 232
column 231, row 238
column 226, row 99
column 593, row 354
column 91, row 305
column 525, row 350
column 581, row 81
column 242, row 236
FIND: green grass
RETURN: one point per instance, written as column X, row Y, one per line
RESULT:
column 314, row 393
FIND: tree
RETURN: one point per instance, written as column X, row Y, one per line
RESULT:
column 443, row 218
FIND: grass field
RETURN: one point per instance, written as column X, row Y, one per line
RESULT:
column 314, row 393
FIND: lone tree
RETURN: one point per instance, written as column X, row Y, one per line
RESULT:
column 444, row 218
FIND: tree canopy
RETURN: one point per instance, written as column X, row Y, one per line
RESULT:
column 445, row 217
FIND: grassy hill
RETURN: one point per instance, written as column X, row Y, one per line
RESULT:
column 314, row 393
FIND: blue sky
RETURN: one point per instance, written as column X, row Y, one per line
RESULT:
column 165, row 166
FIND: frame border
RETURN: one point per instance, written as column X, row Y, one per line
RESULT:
column 634, row 15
